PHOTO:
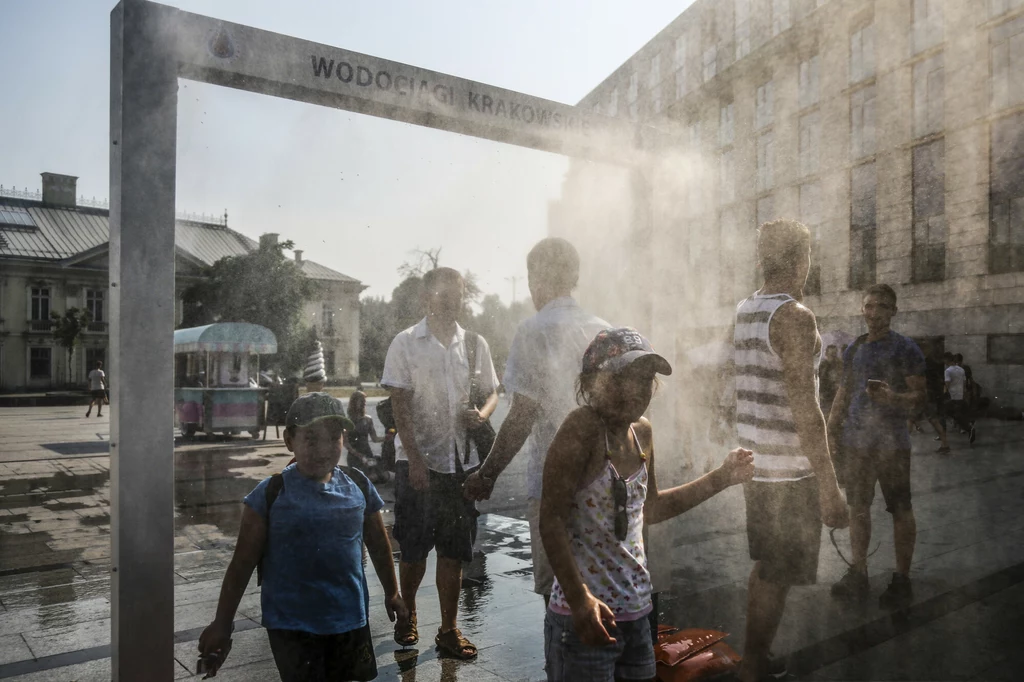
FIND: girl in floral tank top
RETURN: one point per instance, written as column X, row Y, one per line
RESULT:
column 599, row 489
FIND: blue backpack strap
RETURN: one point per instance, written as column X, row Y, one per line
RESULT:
column 270, row 494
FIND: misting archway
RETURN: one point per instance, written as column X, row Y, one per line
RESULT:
column 152, row 46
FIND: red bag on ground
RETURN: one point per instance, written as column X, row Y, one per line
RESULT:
column 693, row 654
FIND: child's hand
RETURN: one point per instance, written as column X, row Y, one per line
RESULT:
column 592, row 620
column 395, row 606
column 216, row 639
column 738, row 467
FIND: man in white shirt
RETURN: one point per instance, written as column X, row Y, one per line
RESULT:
column 427, row 374
column 956, row 408
column 97, row 389
column 543, row 363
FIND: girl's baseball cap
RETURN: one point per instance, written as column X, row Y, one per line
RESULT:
column 612, row 350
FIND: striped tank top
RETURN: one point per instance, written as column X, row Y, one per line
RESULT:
column 764, row 419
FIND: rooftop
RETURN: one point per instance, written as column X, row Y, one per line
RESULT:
column 32, row 229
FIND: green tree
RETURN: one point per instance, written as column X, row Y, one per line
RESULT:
column 261, row 287
column 497, row 323
column 68, row 330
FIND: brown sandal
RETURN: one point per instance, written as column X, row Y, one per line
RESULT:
column 406, row 633
column 452, row 642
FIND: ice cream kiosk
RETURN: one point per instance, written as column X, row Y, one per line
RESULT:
column 216, row 371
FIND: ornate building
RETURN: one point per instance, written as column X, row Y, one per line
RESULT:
column 53, row 256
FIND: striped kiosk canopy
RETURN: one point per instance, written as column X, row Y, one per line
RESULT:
column 225, row 337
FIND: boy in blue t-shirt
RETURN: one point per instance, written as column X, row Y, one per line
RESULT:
column 309, row 543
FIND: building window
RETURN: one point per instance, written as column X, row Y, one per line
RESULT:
column 655, row 73
column 1006, row 44
column 327, row 318
column 693, row 135
column 727, row 250
column 1006, row 349
column 1006, row 195
column 726, row 127
column 862, row 122
column 679, row 61
column 656, row 104
column 94, row 304
column 634, row 87
column 926, row 31
column 40, row 303
column 810, row 215
column 728, row 177
column 810, row 143
column 929, row 93
column 765, row 162
column 810, row 77
column 742, row 28
column 780, row 16
column 862, row 54
column 929, row 190
column 329, row 363
column 998, row 7
column 596, row 108
column 862, row 226
column 764, row 105
column 765, row 210
column 710, row 63
column 39, row 362
column 613, row 103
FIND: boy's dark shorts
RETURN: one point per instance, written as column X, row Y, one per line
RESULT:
column 98, row 394
column 891, row 468
column 305, row 657
column 439, row 517
column 784, row 529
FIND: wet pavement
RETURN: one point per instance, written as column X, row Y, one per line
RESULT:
column 966, row 620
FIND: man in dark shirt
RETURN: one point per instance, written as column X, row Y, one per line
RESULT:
column 884, row 383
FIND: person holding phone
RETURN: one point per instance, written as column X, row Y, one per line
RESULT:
column 885, row 383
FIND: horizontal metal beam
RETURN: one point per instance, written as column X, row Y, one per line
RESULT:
column 247, row 58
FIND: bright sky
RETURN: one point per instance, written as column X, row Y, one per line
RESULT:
column 355, row 192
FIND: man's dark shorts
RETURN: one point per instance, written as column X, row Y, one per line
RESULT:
column 305, row 657
column 98, row 394
column 439, row 517
column 890, row 468
column 784, row 529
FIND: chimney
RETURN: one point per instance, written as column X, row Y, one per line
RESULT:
column 298, row 256
column 59, row 190
column 268, row 240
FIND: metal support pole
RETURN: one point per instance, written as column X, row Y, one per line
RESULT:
column 143, row 113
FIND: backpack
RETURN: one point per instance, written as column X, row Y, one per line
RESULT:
column 273, row 491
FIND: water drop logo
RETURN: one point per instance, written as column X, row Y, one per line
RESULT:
column 221, row 45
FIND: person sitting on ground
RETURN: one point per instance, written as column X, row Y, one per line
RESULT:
column 360, row 455
column 306, row 530
column 591, row 516
column 97, row 389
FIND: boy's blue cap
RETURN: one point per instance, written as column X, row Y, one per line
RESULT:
column 613, row 350
column 313, row 407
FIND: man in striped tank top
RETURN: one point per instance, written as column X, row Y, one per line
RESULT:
column 777, row 348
